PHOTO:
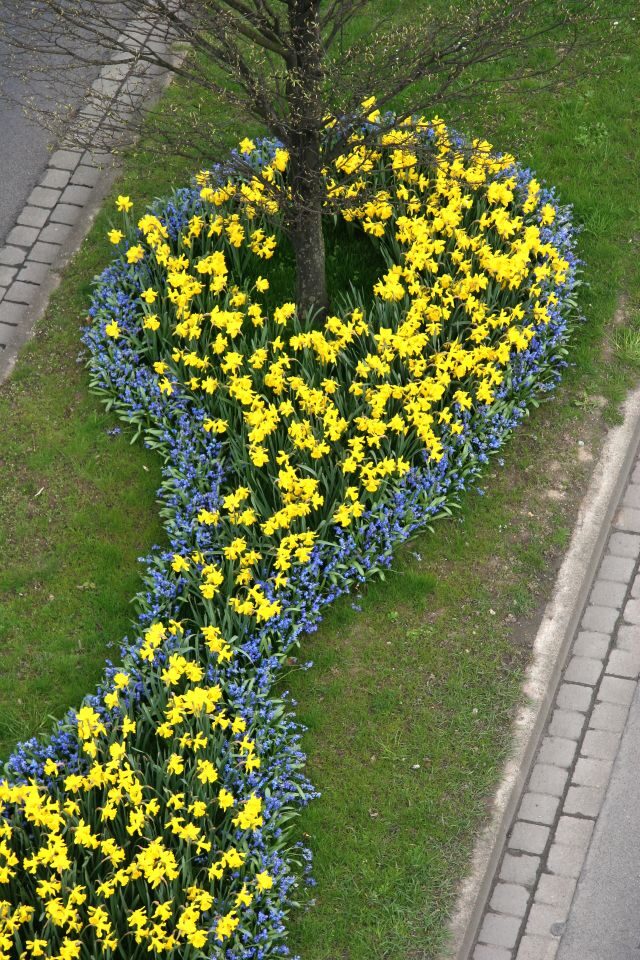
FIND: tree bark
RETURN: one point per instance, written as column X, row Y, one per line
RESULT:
column 304, row 219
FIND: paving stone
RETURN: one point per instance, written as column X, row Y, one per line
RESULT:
column 537, row 948
column 628, row 519
column 555, row 889
column 617, row 690
column 65, row 159
column 22, row 292
column 622, row 663
column 591, row 644
column 565, row 859
column 55, row 233
column 631, row 612
column 539, row 808
column 609, row 716
column 510, row 898
column 635, row 586
column 12, row 256
column 6, row 275
column 34, row 272
column 44, row 197
column 499, row 930
column 632, row 495
column 616, row 568
column 45, row 252
column 76, row 195
column 65, row 213
column 542, row 917
column 574, row 832
column 585, row 801
column 567, row 723
column 635, row 476
column 528, row 837
column 558, row 751
column 607, row 593
column 624, row 545
column 23, row 236
column 12, row 313
column 520, row 868
column 33, row 216
column 483, row 952
column 584, row 670
column 573, row 697
column 590, row 772
column 601, row 619
column 87, row 176
column 601, row 744
column 548, row 779
column 58, row 179
column 628, row 637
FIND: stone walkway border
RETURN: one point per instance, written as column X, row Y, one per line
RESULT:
column 549, row 837
column 61, row 207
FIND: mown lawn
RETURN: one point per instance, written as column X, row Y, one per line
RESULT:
column 415, row 682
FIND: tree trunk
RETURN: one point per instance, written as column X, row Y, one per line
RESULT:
column 304, row 218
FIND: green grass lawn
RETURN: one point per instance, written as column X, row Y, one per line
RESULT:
column 415, row 682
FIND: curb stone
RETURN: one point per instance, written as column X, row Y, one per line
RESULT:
column 556, row 709
column 61, row 208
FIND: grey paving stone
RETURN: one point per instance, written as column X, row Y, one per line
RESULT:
column 499, row 930
column 539, row 808
column 537, row 948
column 573, row 697
column 76, row 195
column 567, row 723
column 628, row 519
column 635, row 587
column 607, row 593
column 55, row 233
column 616, row 690
column 635, row 476
column 622, row 663
column 45, row 252
column 58, row 179
column 601, row 619
column 624, row 545
column 519, row 868
column 558, row 751
column 34, row 272
column 12, row 256
column 6, row 275
column 585, row 801
column 632, row 496
column 65, row 213
column 631, row 612
column 609, row 716
column 528, row 837
column 584, row 670
column 565, row 859
column 555, row 889
column 44, row 197
column 591, row 644
column 33, row 216
column 86, row 176
column 628, row 637
column 616, row 568
column 12, row 313
column 65, row 159
column 542, row 918
column 22, row 292
column 23, row 236
column 600, row 744
column 574, row 832
column 510, row 898
column 548, row 779
column 483, row 952
column 590, row 772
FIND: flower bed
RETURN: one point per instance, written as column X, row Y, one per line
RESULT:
column 160, row 816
